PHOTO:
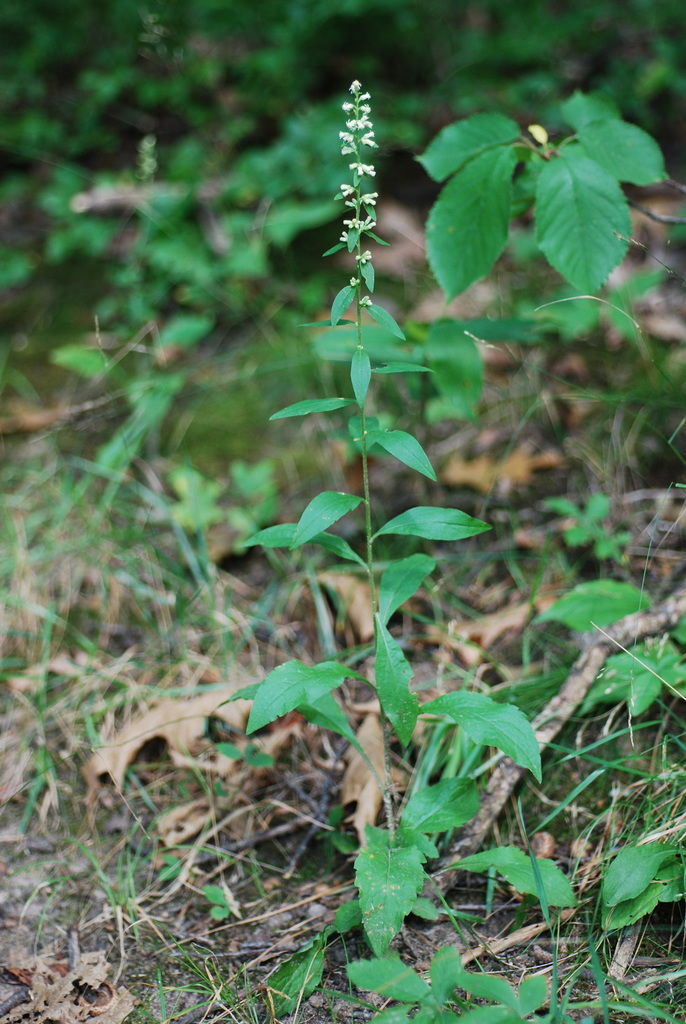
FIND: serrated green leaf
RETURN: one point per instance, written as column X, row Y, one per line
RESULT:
column 630, row 911
column 581, row 108
column 411, row 837
column 291, row 684
column 632, row 871
column 341, row 303
column 388, row 879
column 582, row 219
column 383, row 317
column 467, row 227
column 446, row 971
column 390, row 977
column 311, row 405
column 491, row 724
column 281, row 536
column 458, row 367
column 405, row 448
column 448, row 804
column 515, row 866
column 425, row 909
column 400, row 581
column 624, row 151
column 460, row 142
column 393, row 674
column 434, row 524
column 299, row 975
column 598, row 602
column 325, row 509
column 360, row 374
column 490, row 1015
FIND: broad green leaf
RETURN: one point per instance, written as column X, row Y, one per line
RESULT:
column 490, row 1015
column 289, row 685
column 286, row 219
column 467, row 227
column 425, row 909
column 515, row 866
column 324, row 509
column 446, row 971
column 581, row 212
column 281, row 536
column 348, row 916
column 632, row 871
column 327, row 714
column 490, row 986
column 581, row 108
column 388, row 879
column 491, row 724
column 629, row 911
column 419, row 840
column 341, row 303
column 402, row 368
column 86, row 362
column 460, row 142
column 383, row 317
column 405, row 448
column 458, row 368
column 390, row 977
column 624, row 151
column 311, row 405
column 533, row 992
column 596, row 603
column 360, row 374
column 394, row 1015
column 448, row 804
column 299, row 975
column 399, row 582
column 434, row 524
column 393, row 675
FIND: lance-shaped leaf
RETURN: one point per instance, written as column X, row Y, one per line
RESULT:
column 516, row 867
column 402, row 368
column 464, row 140
column 582, row 219
column 399, row 582
column 341, row 303
column 448, row 804
column 292, row 684
column 311, row 405
column 281, row 536
column 360, row 374
column 491, row 724
column 390, row 977
column 383, row 317
column 324, row 509
column 624, row 151
column 393, row 675
column 434, row 524
column 388, row 878
column 405, row 448
column 298, row 976
column 467, row 227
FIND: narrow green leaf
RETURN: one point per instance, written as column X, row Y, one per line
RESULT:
column 492, row 724
column 492, row 987
column 325, row 323
column 393, row 674
column 464, row 140
column 367, row 272
column 390, row 977
column 334, row 249
column 515, row 866
column 598, row 602
column 281, row 536
column 582, row 219
column 405, row 448
column 388, row 879
column 624, row 151
column 383, row 317
column 632, row 871
column 402, row 368
column 434, row 524
column 360, row 374
column 448, row 804
column 291, row 684
column 467, row 227
column 341, row 303
column 324, row 509
column 311, row 405
column 399, row 582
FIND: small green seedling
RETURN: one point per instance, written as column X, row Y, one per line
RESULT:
column 222, row 902
column 589, row 527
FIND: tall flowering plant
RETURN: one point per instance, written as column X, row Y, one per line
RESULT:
column 390, row 868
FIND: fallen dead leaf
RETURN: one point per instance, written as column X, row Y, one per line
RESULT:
column 354, row 594
column 469, row 638
column 180, row 824
column 484, row 473
column 359, row 785
column 27, row 419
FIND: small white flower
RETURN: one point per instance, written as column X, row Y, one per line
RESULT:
column 346, row 137
column 355, row 87
column 365, row 301
column 346, row 150
column 351, row 203
column 369, row 199
column 347, row 190
column 365, row 96
column 347, row 107
column 354, row 281
column 364, row 257
column 344, row 236
column 368, row 140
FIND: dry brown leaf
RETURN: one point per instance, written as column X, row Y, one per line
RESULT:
column 469, row 638
column 354, row 593
column 27, row 419
column 484, row 472
column 179, row 721
column 180, row 824
column 359, row 785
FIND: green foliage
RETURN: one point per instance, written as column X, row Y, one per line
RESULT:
column 638, row 879
column 582, row 217
column 389, row 874
column 638, row 676
column 517, row 868
column 588, row 528
column 597, row 603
